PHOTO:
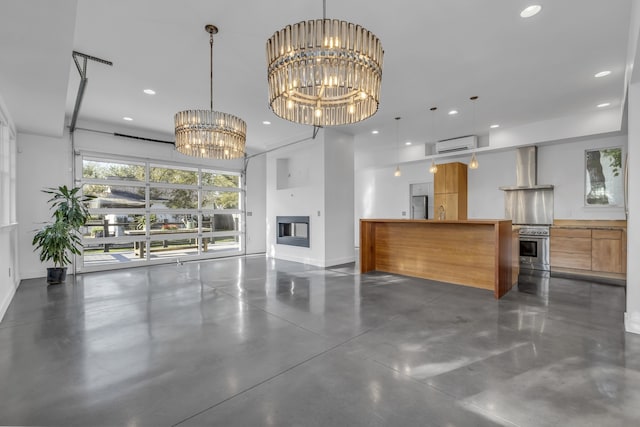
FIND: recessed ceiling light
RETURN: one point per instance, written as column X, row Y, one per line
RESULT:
column 604, row 104
column 266, row 122
column 453, row 112
column 602, row 74
column 149, row 91
column 375, row 132
column 494, row 126
column 530, row 11
column 129, row 119
column 407, row 143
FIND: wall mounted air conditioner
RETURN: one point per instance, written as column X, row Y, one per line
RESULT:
column 457, row 144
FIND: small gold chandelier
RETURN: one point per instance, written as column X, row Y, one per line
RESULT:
column 207, row 133
column 324, row 72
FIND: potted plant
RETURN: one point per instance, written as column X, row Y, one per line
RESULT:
column 60, row 238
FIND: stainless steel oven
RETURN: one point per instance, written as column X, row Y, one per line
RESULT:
column 534, row 247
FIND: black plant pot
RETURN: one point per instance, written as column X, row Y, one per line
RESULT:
column 56, row 275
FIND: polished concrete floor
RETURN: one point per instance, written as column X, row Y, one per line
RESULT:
column 257, row 342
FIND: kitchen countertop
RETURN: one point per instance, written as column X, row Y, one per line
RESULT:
column 437, row 221
column 599, row 224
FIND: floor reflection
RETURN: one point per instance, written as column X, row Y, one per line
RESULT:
column 535, row 282
column 257, row 341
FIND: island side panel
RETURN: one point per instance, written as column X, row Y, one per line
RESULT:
column 504, row 250
column 457, row 253
column 515, row 256
column 367, row 244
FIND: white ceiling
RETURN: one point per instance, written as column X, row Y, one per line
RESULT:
column 437, row 53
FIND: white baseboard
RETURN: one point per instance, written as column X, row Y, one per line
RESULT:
column 302, row 260
column 33, row 273
column 339, row 261
column 6, row 300
column 632, row 322
column 317, row 262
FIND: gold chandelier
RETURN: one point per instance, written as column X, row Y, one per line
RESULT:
column 324, row 72
column 207, row 133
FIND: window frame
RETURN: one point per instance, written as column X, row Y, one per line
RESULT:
column 196, row 234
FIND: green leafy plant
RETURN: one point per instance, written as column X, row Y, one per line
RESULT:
column 58, row 239
column 141, row 221
column 615, row 159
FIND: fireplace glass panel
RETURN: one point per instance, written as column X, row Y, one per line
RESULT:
column 293, row 230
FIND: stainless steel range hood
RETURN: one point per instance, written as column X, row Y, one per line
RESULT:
column 527, row 171
column 528, row 202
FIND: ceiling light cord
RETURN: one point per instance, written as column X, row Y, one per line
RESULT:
column 397, row 139
column 211, row 31
column 433, row 168
column 473, row 164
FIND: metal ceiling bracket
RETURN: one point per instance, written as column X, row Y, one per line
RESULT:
column 82, row 70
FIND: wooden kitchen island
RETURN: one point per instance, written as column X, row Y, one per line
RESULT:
column 477, row 253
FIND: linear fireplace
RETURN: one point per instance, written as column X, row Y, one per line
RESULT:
column 292, row 230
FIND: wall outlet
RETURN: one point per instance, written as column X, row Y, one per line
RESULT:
column 404, row 213
column 318, row 213
column 249, row 213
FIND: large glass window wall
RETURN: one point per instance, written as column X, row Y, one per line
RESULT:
column 148, row 212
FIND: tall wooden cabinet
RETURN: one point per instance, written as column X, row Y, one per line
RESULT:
column 450, row 191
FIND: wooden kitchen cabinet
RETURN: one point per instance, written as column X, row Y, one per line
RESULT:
column 589, row 247
column 570, row 248
column 450, row 202
column 450, row 191
column 606, row 251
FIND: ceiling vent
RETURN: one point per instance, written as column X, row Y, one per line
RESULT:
column 457, row 144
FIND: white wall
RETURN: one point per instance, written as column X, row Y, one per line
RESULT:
column 573, row 126
column 256, row 224
column 632, row 315
column 318, row 183
column 9, row 269
column 42, row 162
column 497, row 169
column 338, row 198
column 304, row 197
column 563, row 165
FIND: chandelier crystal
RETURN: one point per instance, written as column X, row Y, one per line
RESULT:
column 207, row 133
column 324, row 72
